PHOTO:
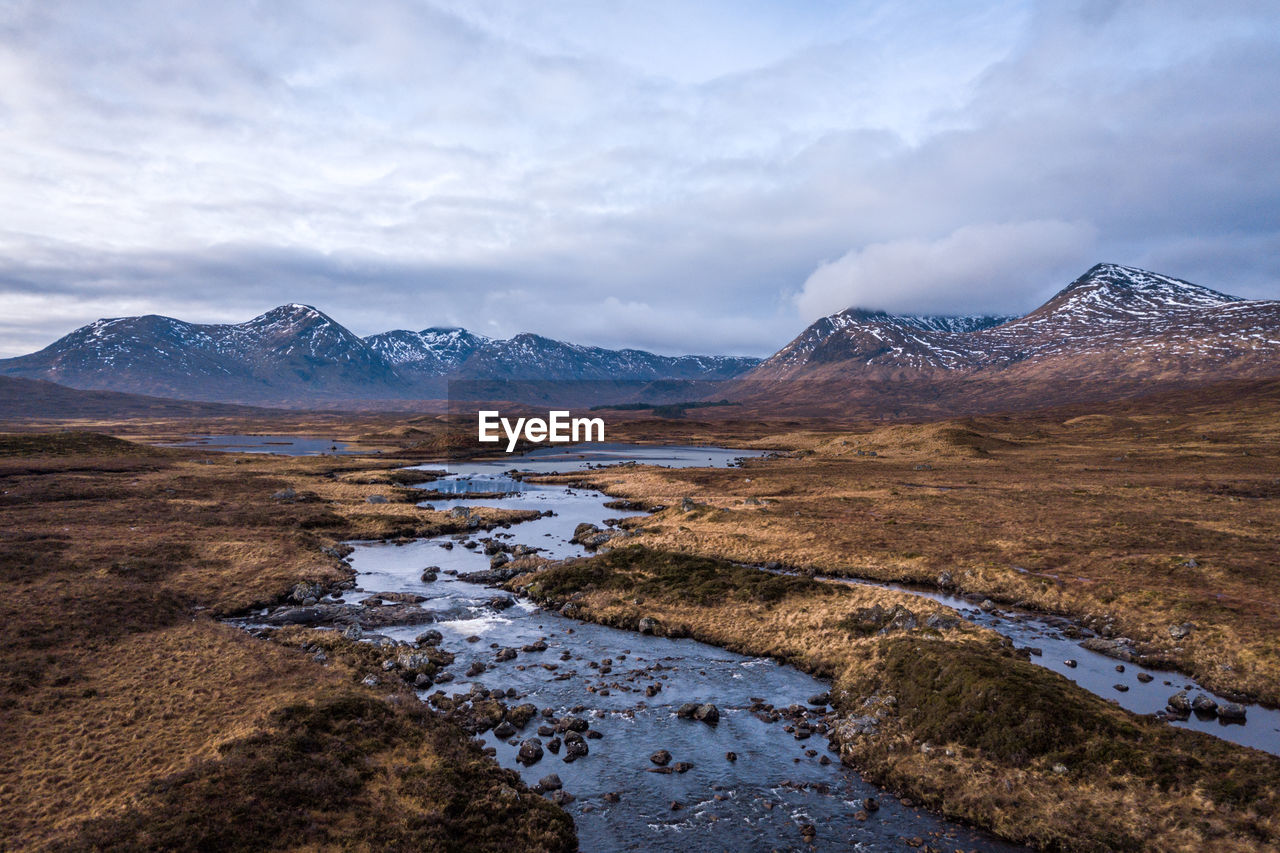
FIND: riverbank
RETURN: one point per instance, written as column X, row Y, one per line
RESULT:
column 144, row 720
column 946, row 713
column 1149, row 524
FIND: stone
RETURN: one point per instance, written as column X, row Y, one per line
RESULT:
column 575, row 746
column 562, row 797
column 429, row 638
column 647, row 625
column 376, row 499
column 284, row 495
column 550, row 782
column 504, row 730
column 820, row 700
column 1232, row 712
column 1145, row 678
column 505, row 655
column 1071, row 663
column 708, row 714
column 1180, row 632
column 1179, row 702
column 530, row 751
column 661, row 758
column 1203, row 704
column 520, row 715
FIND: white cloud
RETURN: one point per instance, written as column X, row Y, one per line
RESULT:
column 974, row 269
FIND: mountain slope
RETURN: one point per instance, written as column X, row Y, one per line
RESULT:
column 1112, row 331
column 296, row 355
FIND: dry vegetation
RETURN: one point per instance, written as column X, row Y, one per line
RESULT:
column 975, row 730
column 1143, row 516
column 137, row 721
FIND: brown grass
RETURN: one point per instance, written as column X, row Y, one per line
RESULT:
column 114, row 678
column 975, row 730
column 1141, row 519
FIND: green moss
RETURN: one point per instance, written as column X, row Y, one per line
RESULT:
column 314, row 780
column 702, row 581
column 71, row 443
column 1017, row 713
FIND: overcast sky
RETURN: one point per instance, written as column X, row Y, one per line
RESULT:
column 679, row 176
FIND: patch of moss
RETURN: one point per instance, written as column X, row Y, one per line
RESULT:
column 703, row 581
column 349, row 771
column 1014, row 712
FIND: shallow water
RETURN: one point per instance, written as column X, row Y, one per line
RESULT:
column 283, row 445
column 758, row 802
column 1097, row 672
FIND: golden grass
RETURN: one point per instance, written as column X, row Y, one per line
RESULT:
column 976, row 730
column 1142, row 521
column 114, row 680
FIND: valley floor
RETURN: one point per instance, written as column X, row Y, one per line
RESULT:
column 145, row 721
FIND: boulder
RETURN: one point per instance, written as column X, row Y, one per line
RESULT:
column 504, row 730
column 708, row 714
column 1232, row 712
column 661, row 758
column 429, row 638
column 504, row 655
column 1203, row 704
column 520, row 715
column 376, row 499
column 575, row 746
column 530, row 751
column 1179, row 702
column 550, row 782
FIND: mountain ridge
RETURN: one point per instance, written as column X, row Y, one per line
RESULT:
column 1113, row 330
column 295, row 353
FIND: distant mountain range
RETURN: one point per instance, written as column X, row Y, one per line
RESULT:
column 296, row 355
column 1115, row 331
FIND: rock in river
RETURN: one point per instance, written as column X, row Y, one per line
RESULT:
column 661, row 758
column 1231, row 711
column 530, row 751
column 1202, row 704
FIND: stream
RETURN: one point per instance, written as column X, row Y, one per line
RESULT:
column 782, row 791
column 763, row 800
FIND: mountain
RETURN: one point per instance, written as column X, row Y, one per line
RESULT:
column 296, row 355
column 1114, row 331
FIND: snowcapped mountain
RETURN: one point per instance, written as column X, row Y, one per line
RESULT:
column 434, row 350
column 1114, row 327
column 295, row 355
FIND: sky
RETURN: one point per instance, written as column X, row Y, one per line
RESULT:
column 704, row 177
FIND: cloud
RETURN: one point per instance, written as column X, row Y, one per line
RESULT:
column 511, row 166
column 974, row 269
